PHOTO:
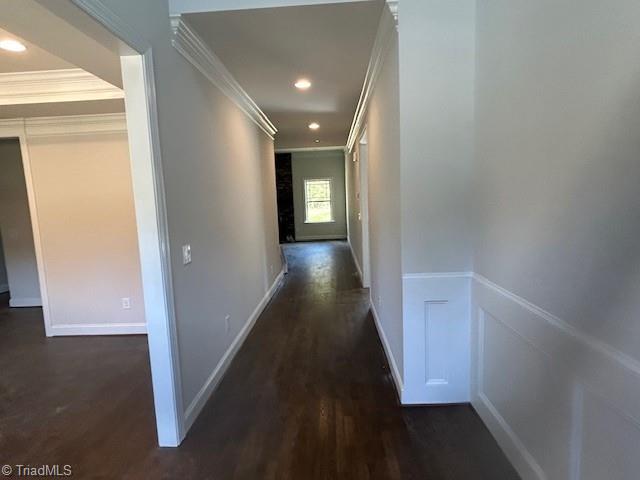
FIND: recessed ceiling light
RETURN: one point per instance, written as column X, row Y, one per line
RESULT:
column 12, row 45
column 302, row 84
column 317, row 141
column 314, row 126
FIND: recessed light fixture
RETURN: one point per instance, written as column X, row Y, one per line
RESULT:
column 12, row 45
column 314, row 126
column 302, row 84
column 317, row 141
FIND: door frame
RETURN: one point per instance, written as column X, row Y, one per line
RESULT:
column 150, row 208
column 15, row 129
column 363, row 176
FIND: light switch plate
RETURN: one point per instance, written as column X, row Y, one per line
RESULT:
column 186, row 254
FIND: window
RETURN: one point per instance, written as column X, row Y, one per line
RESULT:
column 317, row 201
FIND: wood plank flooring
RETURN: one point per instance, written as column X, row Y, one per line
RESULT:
column 309, row 396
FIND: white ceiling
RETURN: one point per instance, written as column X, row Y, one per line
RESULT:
column 268, row 49
column 38, row 59
column 34, row 58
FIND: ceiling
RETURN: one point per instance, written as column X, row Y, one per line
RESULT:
column 268, row 49
column 34, row 58
column 38, row 59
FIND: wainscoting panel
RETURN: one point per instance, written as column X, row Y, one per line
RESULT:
column 436, row 338
column 561, row 404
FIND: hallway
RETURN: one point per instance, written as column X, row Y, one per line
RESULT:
column 308, row 396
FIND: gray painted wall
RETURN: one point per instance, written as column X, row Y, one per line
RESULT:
column 15, row 223
column 383, row 132
column 220, row 194
column 437, row 63
column 319, row 164
column 557, row 209
column 4, row 280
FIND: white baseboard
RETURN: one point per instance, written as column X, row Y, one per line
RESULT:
column 309, row 238
column 517, row 453
column 4, row 287
column 395, row 372
column 355, row 260
column 25, row 302
column 198, row 403
column 98, row 329
column 561, row 387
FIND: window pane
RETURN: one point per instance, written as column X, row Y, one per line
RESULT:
column 318, row 212
column 318, row 201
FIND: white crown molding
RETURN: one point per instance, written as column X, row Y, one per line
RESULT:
column 49, row 86
column 384, row 35
column 198, row 53
column 393, row 8
column 75, row 125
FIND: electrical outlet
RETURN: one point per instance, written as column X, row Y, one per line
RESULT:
column 227, row 323
column 186, row 254
column 126, row 303
column 379, row 300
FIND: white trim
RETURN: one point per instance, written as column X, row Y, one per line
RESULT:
column 306, row 212
column 393, row 8
column 155, row 253
column 395, row 372
column 4, row 287
column 198, row 403
column 99, row 329
column 336, row 148
column 114, row 23
column 151, row 215
column 310, row 238
column 48, row 86
column 197, row 6
column 386, row 30
column 355, row 260
column 524, row 462
column 197, row 52
column 15, row 128
column 75, row 125
column 601, row 347
column 25, row 302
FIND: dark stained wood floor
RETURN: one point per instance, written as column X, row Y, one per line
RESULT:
column 309, row 396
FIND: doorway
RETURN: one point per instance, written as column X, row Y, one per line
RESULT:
column 89, row 39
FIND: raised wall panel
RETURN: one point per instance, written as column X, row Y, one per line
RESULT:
column 436, row 338
column 561, row 404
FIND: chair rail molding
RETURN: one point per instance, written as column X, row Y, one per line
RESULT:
column 50, row 86
column 384, row 34
column 197, row 52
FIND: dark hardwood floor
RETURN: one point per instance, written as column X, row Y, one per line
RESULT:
column 309, row 396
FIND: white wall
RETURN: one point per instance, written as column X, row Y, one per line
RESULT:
column 220, row 194
column 383, row 137
column 86, row 219
column 436, row 70
column 319, row 164
column 15, row 223
column 555, row 324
